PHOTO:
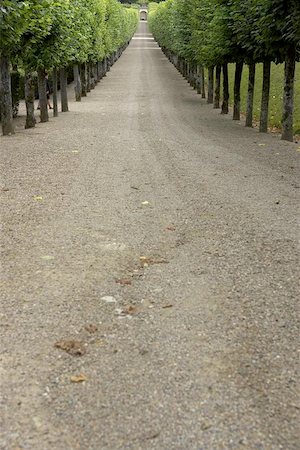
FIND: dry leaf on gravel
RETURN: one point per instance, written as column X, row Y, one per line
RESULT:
column 171, row 228
column 78, row 378
column 38, row 198
column 91, row 328
column 74, row 348
column 4, row 189
column 129, row 310
column 167, row 306
column 134, row 187
column 124, row 282
column 147, row 261
column 47, row 257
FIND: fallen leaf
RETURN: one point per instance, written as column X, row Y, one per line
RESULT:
column 74, row 348
column 91, row 328
column 134, row 187
column 47, row 257
column 146, row 260
column 262, row 145
column 38, row 198
column 167, row 306
column 109, row 299
column 78, row 378
column 4, row 189
column 152, row 435
column 129, row 309
column 124, row 282
column 171, row 228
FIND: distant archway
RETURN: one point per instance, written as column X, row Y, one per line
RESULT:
column 143, row 14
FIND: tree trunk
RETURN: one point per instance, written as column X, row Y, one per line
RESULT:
column 250, row 96
column 264, row 109
column 288, row 95
column 6, row 98
column 225, row 102
column 210, row 87
column 42, row 96
column 77, row 83
column 92, row 75
column 237, row 91
column 218, row 87
column 29, row 100
column 83, row 77
column 88, row 78
column 198, row 83
column 63, row 90
column 54, row 98
column 202, row 82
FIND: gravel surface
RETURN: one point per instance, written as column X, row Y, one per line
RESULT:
column 149, row 273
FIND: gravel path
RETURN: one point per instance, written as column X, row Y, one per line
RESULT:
column 149, row 247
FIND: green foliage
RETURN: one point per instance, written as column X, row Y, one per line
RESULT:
column 54, row 33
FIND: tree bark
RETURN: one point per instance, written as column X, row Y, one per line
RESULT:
column 198, row 83
column 42, row 96
column 93, row 84
column 83, row 77
column 217, row 88
column 77, row 83
column 202, row 82
column 250, row 96
column 29, row 100
column 264, row 109
column 54, row 97
column 288, row 95
column 225, row 102
column 210, row 87
column 6, row 98
column 63, row 90
column 237, row 91
column 88, row 73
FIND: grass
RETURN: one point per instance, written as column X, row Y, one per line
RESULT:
column 276, row 91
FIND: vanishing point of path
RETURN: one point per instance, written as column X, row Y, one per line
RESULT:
column 160, row 240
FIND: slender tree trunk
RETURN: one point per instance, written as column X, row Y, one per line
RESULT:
column 198, row 83
column 42, row 96
column 218, row 87
column 92, row 82
column 83, row 76
column 202, row 82
column 99, row 71
column 29, row 100
column 105, row 66
column 237, row 91
column 225, row 102
column 250, row 96
column 77, row 83
column 264, row 109
column 288, row 95
column 88, row 72
column 54, row 98
column 63, row 90
column 6, row 97
column 210, row 88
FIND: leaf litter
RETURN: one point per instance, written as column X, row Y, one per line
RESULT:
column 78, row 378
column 74, row 348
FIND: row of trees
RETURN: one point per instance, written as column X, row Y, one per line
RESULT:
column 42, row 36
column 198, row 34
